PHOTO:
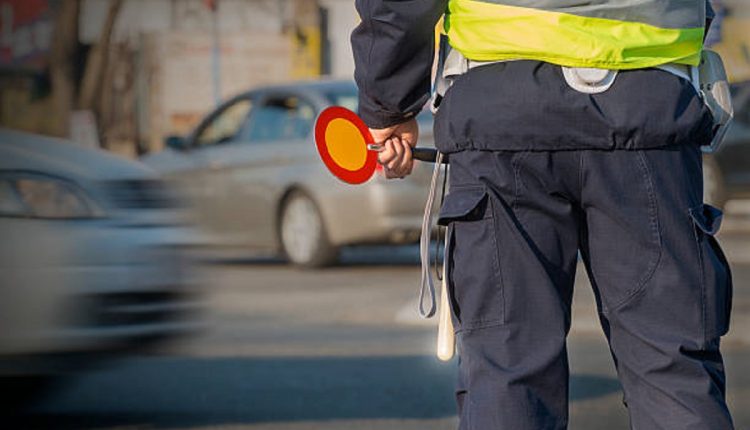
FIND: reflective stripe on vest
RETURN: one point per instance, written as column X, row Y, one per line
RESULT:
column 608, row 34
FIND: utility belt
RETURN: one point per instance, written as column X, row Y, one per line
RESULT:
column 709, row 80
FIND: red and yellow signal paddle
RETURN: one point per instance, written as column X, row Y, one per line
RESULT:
column 346, row 146
column 347, row 149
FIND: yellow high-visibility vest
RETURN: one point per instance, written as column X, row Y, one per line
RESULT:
column 607, row 34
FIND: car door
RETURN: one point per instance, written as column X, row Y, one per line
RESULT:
column 254, row 167
column 216, row 136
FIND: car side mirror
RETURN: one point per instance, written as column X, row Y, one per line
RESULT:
column 178, row 143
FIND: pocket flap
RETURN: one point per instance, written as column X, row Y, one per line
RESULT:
column 464, row 203
column 707, row 218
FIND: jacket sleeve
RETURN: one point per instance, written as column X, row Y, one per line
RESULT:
column 393, row 54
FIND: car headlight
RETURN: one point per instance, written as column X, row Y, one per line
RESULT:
column 41, row 196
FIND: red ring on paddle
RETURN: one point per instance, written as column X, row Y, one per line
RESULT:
column 364, row 173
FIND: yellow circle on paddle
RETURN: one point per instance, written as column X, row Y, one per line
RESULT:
column 346, row 145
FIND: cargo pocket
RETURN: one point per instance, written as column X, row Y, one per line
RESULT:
column 717, row 276
column 473, row 267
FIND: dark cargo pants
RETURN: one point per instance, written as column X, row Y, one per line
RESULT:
column 517, row 221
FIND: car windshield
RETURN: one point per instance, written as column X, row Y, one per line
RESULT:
column 347, row 97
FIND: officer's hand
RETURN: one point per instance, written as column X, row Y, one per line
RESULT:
column 397, row 141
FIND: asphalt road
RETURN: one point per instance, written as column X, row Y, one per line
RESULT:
column 340, row 349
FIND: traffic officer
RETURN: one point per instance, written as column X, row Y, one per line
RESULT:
column 574, row 126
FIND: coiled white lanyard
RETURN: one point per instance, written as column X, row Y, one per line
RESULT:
column 427, row 286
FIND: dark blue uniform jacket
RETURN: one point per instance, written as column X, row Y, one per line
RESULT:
column 519, row 105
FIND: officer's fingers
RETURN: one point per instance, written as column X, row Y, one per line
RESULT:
column 387, row 154
column 401, row 165
column 399, row 149
column 388, row 168
column 395, row 151
column 406, row 168
column 407, row 161
column 390, row 174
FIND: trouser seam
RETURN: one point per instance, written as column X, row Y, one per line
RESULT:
column 655, row 228
column 580, row 174
column 699, row 250
column 516, row 164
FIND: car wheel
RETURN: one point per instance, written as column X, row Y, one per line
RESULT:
column 714, row 191
column 303, row 236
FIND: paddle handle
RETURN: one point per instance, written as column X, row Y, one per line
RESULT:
column 428, row 155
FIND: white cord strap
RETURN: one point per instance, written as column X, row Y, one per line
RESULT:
column 427, row 285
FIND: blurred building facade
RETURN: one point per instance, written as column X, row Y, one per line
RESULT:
column 162, row 70
column 26, row 28
column 169, row 61
column 733, row 40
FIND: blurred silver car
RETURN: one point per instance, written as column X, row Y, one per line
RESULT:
column 89, row 258
column 255, row 179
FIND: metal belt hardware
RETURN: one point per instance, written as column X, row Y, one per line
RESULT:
column 714, row 88
column 589, row 80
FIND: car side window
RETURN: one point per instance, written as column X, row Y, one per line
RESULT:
column 280, row 118
column 226, row 126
